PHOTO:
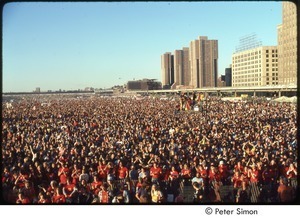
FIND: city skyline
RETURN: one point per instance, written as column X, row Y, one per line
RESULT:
column 77, row 45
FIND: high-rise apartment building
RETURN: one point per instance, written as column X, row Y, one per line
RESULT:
column 255, row 67
column 287, row 44
column 167, row 69
column 178, row 67
column 181, row 67
column 186, row 66
column 203, row 62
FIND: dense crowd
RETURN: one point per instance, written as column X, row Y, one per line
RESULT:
column 127, row 150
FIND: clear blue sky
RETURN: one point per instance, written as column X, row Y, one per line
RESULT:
column 77, row 45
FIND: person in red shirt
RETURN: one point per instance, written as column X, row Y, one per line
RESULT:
column 59, row 197
column 155, row 173
column 103, row 194
column 291, row 172
column 236, row 180
column 22, row 199
column 63, row 174
column 76, row 172
column 43, row 199
column 246, row 171
column 122, row 172
column 185, row 173
column 239, row 167
column 96, row 185
column 69, row 190
column 102, row 170
column 213, row 174
column 224, row 173
column 253, row 174
column 173, row 174
column 202, row 171
column 51, row 190
column 21, row 178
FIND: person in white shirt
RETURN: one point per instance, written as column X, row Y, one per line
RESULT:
column 197, row 179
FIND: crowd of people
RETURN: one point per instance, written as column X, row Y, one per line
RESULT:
column 127, row 150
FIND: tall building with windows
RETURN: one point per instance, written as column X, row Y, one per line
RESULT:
column 203, row 62
column 178, row 67
column 228, row 77
column 255, row 67
column 287, row 44
column 167, row 69
column 186, row 66
column 181, row 67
